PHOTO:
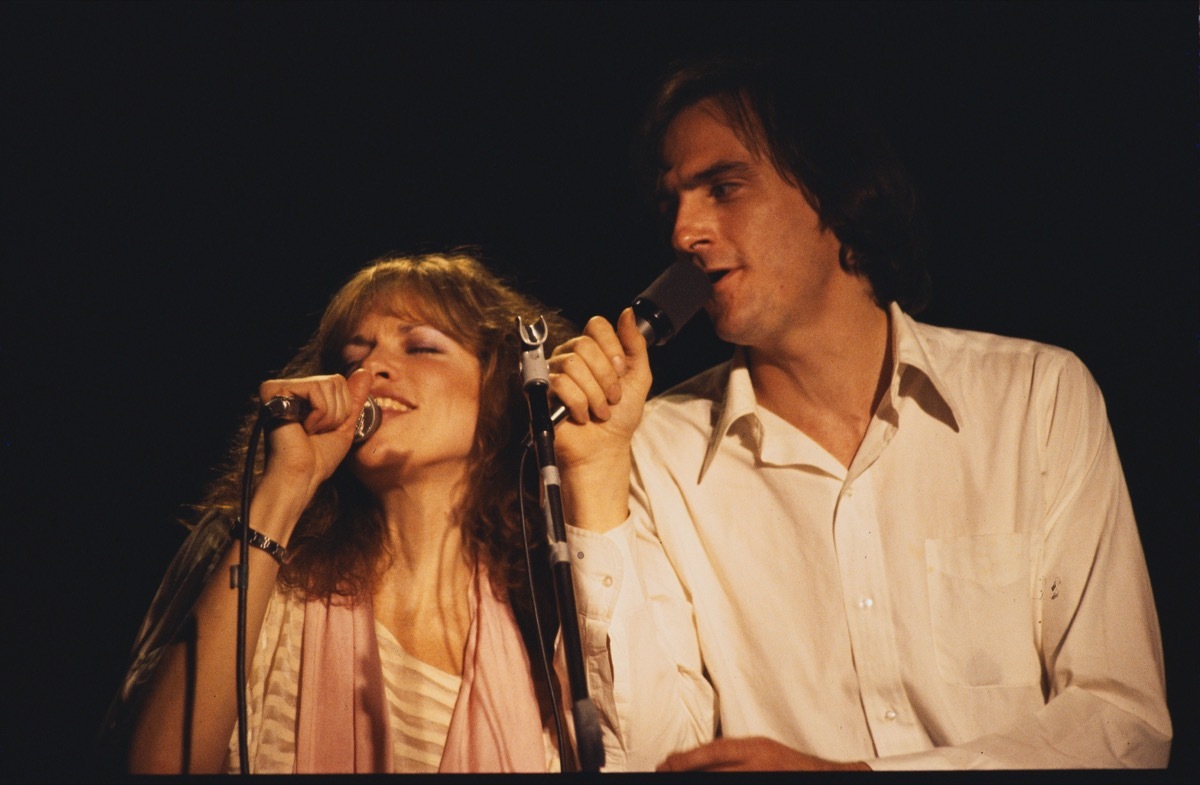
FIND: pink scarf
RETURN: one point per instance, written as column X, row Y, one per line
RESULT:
column 342, row 719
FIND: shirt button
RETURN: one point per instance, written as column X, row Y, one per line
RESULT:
column 849, row 491
column 607, row 580
column 889, row 715
column 865, row 603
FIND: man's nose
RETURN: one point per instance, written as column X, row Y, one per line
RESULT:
column 693, row 226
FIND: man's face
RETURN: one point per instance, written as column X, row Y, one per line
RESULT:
column 738, row 218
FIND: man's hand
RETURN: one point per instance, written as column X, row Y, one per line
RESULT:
column 753, row 753
column 602, row 377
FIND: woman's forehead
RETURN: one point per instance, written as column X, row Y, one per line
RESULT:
column 411, row 309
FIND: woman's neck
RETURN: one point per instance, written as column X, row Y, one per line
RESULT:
column 423, row 528
column 423, row 597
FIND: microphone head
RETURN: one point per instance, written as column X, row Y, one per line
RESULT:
column 671, row 300
column 368, row 421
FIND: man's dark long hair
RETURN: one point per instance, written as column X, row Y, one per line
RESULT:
column 821, row 140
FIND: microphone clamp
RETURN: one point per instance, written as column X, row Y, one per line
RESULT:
column 534, row 368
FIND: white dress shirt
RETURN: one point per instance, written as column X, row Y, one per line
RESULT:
column 970, row 592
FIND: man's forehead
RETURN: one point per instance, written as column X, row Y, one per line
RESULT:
column 707, row 116
column 702, row 136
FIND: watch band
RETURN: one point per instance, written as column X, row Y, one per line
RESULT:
column 262, row 542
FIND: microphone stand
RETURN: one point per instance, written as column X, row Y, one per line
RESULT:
column 536, row 379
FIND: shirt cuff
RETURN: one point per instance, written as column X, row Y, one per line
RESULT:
column 605, row 579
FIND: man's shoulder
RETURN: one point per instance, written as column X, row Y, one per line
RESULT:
column 955, row 350
column 680, row 420
column 695, row 396
column 677, row 426
column 979, row 373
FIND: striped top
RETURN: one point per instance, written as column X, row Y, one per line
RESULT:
column 420, row 698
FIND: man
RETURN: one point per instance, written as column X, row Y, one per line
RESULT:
column 864, row 542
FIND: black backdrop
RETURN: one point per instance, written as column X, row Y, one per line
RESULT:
column 185, row 184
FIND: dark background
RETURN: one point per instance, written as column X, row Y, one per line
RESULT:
column 185, row 184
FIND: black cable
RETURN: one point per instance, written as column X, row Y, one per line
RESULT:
column 555, row 703
column 239, row 576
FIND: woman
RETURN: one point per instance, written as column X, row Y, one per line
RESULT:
column 387, row 578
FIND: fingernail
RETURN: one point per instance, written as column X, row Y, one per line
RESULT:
column 619, row 364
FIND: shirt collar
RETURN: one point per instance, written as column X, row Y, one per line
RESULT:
column 915, row 375
column 912, row 365
column 738, row 402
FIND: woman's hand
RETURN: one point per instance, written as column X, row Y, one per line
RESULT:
column 302, row 455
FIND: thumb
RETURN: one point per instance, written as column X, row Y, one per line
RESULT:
column 637, row 357
column 359, row 386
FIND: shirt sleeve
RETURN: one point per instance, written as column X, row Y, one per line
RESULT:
column 640, row 646
column 1093, row 607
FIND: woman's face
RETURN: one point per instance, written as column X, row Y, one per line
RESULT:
column 427, row 386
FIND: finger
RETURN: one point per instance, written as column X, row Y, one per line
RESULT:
column 724, row 754
column 324, row 397
column 568, row 394
column 637, row 356
column 601, row 351
column 632, row 342
column 286, row 438
column 601, row 331
column 358, row 385
column 304, row 389
column 599, row 373
column 574, row 384
column 704, row 757
column 357, row 389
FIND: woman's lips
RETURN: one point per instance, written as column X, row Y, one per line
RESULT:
column 393, row 404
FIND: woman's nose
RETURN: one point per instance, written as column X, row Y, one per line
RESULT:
column 378, row 365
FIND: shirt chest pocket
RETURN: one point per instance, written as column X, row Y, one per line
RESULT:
column 981, row 610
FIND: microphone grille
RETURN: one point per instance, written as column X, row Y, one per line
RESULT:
column 368, row 421
column 677, row 294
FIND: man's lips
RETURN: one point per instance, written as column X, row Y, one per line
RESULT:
column 715, row 276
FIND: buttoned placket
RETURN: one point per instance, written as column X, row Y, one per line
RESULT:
column 868, row 606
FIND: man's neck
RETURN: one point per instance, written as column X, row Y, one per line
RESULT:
column 828, row 381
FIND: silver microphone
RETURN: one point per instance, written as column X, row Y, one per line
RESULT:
column 289, row 408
